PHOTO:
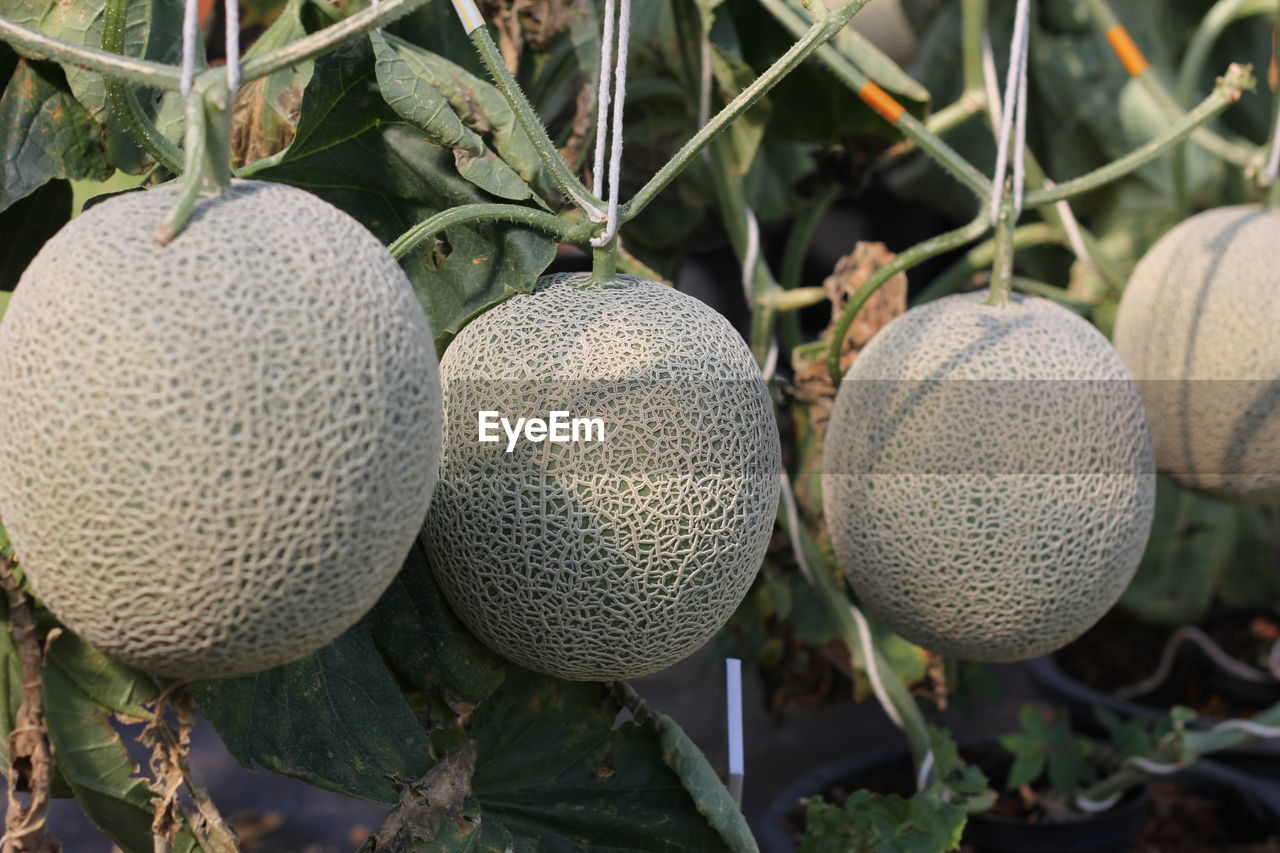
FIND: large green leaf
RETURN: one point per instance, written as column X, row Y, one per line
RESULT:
column 480, row 107
column 556, row 772
column 44, row 133
column 153, row 30
column 403, row 78
column 352, row 149
column 110, row 685
column 93, row 760
column 335, row 719
column 424, row 643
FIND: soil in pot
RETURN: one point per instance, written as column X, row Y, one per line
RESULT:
column 1120, row 651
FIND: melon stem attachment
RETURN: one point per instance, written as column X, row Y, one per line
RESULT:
column 1002, row 265
column 207, row 151
column 604, row 262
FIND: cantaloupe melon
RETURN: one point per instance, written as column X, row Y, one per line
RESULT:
column 215, row 454
column 590, row 559
column 1199, row 327
column 988, row 477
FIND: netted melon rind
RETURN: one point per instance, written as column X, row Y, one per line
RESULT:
column 613, row 559
column 1199, row 327
column 988, row 477
column 215, row 455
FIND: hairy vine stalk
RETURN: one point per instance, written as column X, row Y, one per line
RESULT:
column 577, row 233
column 124, row 100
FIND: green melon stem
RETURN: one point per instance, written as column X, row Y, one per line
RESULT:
column 124, row 100
column 1002, row 265
column 207, row 151
column 604, row 262
column 565, row 231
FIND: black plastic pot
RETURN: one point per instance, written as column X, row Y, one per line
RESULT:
column 1249, row 807
column 1259, row 693
column 1260, row 757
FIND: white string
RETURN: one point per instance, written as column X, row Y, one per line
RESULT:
column 1013, row 119
column 233, row 46
column 1191, row 634
column 619, row 100
column 1249, row 727
column 1157, row 768
column 1020, row 130
column 602, row 98
column 926, row 767
column 864, row 630
column 704, row 89
column 793, row 528
column 751, row 257
column 1089, row 806
column 989, row 81
column 190, row 36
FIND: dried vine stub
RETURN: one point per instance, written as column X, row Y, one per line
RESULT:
column 1199, row 326
column 215, row 454
column 988, row 477
column 608, row 556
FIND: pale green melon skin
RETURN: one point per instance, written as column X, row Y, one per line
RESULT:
column 215, row 454
column 603, row 560
column 1199, row 327
column 984, row 503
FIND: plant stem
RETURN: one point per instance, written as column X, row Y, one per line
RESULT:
column 1002, row 265
column 800, row 238
column 559, row 170
column 1091, row 251
column 982, row 256
column 566, row 232
column 1023, row 284
column 917, row 254
column 818, row 570
column 1228, row 91
column 909, row 125
column 156, row 75
column 1216, row 20
column 124, row 101
column 1225, row 149
column 817, row 35
column 974, row 21
column 206, row 150
column 793, row 299
column 376, row 15
column 604, row 262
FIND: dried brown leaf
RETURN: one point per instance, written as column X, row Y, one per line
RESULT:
column 814, row 386
column 30, row 756
column 428, row 804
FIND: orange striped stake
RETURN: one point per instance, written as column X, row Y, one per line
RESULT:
column 1130, row 56
column 882, row 102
